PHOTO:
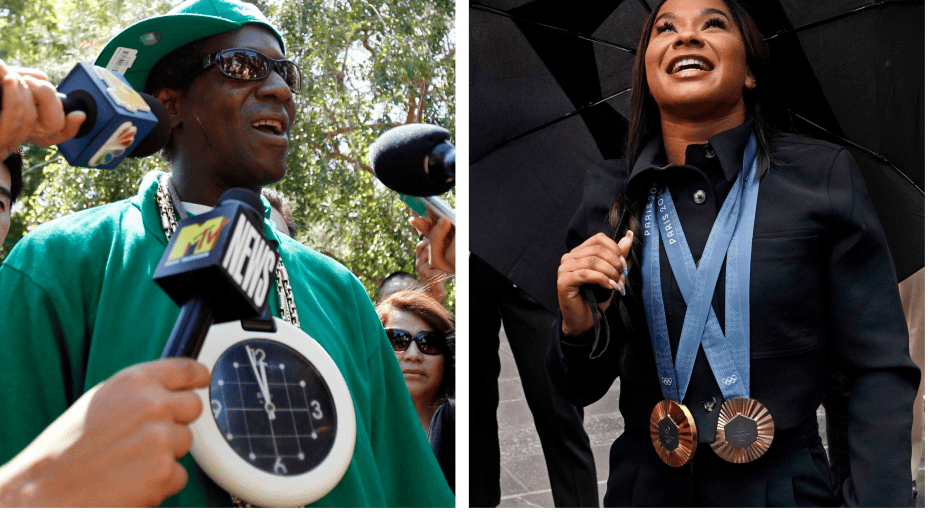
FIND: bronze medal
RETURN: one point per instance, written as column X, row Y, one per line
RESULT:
column 673, row 433
column 745, row 430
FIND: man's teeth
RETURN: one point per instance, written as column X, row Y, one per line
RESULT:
column 273, row 124
column 689, row 63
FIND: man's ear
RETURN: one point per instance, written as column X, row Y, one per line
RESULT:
column 171, row 98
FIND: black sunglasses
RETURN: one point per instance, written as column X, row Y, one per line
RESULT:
column 245, row 64
column 428, row 342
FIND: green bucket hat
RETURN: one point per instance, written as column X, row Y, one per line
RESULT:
column 136, row 49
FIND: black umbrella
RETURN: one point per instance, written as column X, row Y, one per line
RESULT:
column 549, row 83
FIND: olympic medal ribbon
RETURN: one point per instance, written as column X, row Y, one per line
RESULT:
column 697, row 285
column 654, row 304
column 697, row 282
column 672, row 427
column 740, row 438
column 745, row 428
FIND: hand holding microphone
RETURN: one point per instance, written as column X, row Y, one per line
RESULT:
column 117, row 446
column 431, row 278
column 419, row 162
column 441, row 235
column 31, row 110
column 94, row 116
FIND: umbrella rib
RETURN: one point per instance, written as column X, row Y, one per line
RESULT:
column 876, row 155
column 645, row 5
column 506, row 14
column 877, row 3
column 503, row 142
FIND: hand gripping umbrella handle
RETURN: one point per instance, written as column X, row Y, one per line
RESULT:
column 600, row 293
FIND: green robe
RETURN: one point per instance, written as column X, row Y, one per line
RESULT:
column 79, row 304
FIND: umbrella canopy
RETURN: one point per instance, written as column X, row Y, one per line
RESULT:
column 549, row 88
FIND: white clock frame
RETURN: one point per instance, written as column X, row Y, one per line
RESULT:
column 245, row 481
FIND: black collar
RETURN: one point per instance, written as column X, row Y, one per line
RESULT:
column 728, row 146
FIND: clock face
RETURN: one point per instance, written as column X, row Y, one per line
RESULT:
column 273, row 407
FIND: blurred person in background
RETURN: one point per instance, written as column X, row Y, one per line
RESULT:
column 397, row 281
column 281, row 211
column 11, row 185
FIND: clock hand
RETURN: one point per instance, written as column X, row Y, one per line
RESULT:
column 261, row 377
column 269, row 406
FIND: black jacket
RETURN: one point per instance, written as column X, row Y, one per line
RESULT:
column 822, row 282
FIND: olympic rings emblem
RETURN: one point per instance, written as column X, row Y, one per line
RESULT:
column 666, row 381
column 730, row 380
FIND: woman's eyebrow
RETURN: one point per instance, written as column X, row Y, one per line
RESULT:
column 714, row 10
column 665, row 15
column 703, row 12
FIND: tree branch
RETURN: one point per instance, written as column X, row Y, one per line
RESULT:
column 339, row 155
column 347, row 129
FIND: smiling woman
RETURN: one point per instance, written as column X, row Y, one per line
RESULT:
column 751, row 258
column 695, row 65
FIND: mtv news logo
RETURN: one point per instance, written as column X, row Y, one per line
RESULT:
column 249, row 260
column 244, row 253
column 196, row 240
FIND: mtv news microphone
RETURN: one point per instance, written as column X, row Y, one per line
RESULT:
column 218, row 267
column 120, row 123
column 417, row 160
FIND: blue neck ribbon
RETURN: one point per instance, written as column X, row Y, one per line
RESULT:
column 730, row 237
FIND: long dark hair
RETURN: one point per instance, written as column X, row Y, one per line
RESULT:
column 762, row 103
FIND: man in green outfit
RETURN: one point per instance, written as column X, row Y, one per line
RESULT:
column 90, row 416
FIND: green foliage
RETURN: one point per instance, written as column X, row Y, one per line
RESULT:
column 367, row 67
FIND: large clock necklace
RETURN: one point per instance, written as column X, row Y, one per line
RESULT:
column 279, row 426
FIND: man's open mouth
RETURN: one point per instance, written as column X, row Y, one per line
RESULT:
column 270, row 126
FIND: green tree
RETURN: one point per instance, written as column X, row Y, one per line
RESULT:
column 367, row 66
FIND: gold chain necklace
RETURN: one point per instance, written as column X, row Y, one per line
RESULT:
column 168, row 216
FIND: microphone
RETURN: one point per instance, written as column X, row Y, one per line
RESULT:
column 432, row 207
column 218, row 267
column 120, row 122
column 415, row 159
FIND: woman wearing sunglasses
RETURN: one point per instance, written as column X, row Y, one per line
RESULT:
column 421, row 332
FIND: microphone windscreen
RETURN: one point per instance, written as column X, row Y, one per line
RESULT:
column 245, row 196
column 156, row 139
column 399, row 159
